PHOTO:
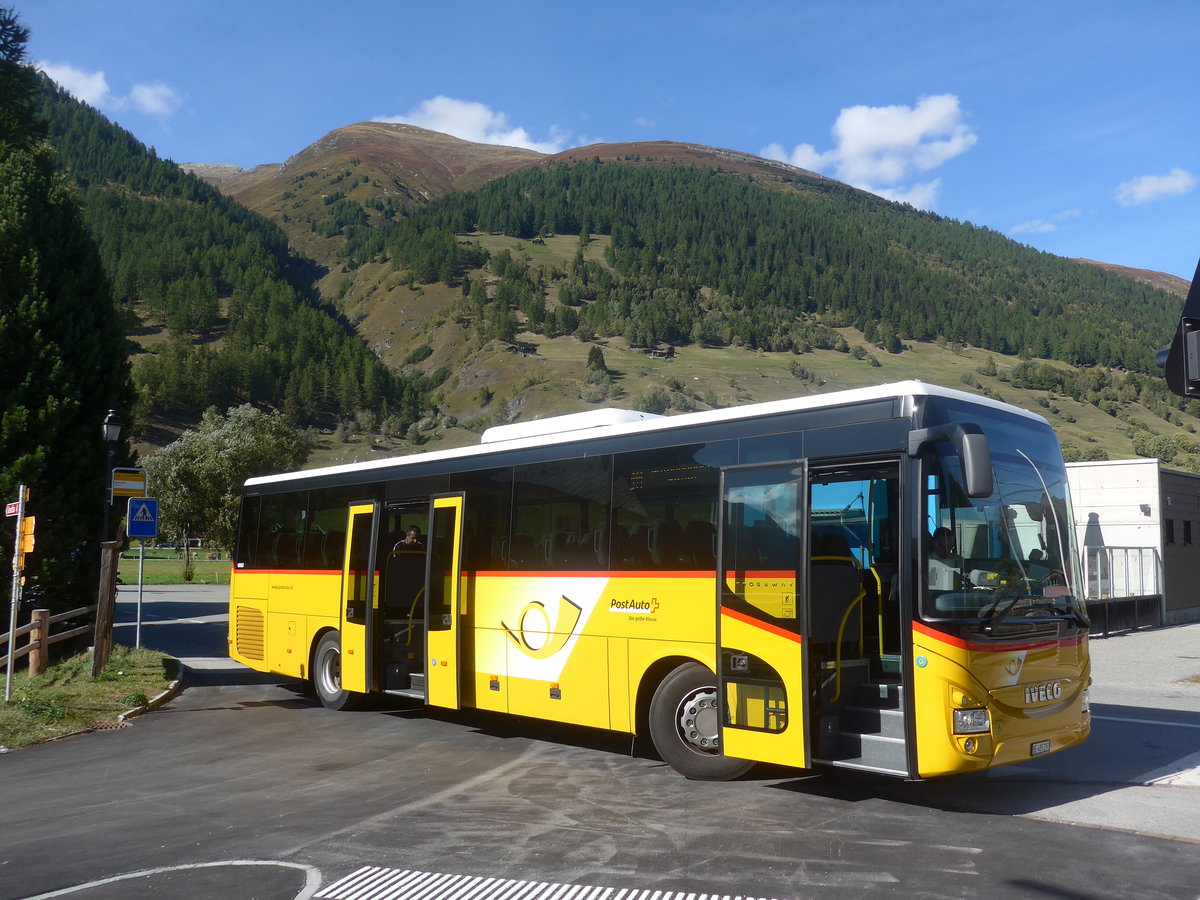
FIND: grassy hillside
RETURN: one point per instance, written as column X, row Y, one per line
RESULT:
column 496, row 381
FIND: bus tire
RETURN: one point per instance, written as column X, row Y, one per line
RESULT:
column 685, row 729
column 327, row 674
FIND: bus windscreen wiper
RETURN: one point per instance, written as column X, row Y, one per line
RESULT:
column 998, row 612
column 1070, row 608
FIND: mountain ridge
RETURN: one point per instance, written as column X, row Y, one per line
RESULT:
column 576, row 254
column 429, row 164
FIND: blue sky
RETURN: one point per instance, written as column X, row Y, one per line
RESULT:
column 1072, row 127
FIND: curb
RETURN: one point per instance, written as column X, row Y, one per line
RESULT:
column 173, row 690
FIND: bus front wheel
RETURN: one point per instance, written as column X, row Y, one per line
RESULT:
column 327, row 674
column 685, row 726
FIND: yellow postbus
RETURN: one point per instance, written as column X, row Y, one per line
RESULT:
column 881, row 579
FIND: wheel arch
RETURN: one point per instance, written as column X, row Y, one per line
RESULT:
column 312, row 649
column 651, row 678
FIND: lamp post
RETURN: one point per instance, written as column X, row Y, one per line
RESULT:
column 111, row 430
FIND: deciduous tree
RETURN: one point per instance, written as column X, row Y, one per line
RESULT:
column 198, row 478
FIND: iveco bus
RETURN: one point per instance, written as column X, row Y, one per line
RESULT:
column 881, row 579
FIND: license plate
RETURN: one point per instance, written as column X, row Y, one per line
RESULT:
column 1039, row 748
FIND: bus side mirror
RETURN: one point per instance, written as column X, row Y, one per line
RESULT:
column 1181, row 361
column 976, row 461
column 970, row 443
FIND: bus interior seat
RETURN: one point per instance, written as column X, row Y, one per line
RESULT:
column 836, row 583
column 333, row 549
column 523, row 552
column 403, row 577
column 666, row 542
column 700, row 538
column 283, row 549
column 635, row 551
column 314, row 548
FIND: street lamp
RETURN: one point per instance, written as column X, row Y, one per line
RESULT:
column 110, row 429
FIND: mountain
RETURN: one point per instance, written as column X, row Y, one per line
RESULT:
column 496, row 284
column 1172, row 284
column 217, row 309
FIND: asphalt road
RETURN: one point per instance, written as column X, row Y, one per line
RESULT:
column 242, row 786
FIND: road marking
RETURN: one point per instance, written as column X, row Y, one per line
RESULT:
column 1183, row 772
column 398, row 884
column 1147, row 721
column 312, row 876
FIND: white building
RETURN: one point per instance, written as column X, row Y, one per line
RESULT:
column 1138, row 528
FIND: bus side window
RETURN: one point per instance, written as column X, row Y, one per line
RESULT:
column 281, row 530
column 247, row 544
column 558, row 506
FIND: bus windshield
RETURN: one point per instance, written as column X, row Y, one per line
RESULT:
column 1010, row 558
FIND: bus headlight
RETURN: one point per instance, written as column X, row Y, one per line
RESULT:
column 971, row 721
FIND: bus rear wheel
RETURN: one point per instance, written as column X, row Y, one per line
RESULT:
column 327, row 674
column 685, row 726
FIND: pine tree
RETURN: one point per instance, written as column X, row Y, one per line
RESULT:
column 61, row 348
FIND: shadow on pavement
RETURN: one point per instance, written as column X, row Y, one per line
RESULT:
column 1128, row 746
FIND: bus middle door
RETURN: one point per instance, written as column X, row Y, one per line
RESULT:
column 762, row 548
column 359, row 577
column 443, row 605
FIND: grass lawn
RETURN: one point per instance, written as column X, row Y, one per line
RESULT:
column 65, row 698
column 169, row 569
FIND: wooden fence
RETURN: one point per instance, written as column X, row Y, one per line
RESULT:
column 37, row 648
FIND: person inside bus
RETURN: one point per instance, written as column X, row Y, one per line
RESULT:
column 412, row 540
column 945, row 566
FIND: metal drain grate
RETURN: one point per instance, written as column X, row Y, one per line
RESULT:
column 373, row 883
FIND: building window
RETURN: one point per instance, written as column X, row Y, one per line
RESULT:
column 1169, row 531
column 1187, row 533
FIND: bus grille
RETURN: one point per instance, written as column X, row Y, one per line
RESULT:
column 249, row 631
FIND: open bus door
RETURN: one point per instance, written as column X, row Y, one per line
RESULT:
column 358, row 598
column 761, row 615
column 444, row 601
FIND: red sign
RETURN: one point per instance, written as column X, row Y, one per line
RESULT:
column 12, row 509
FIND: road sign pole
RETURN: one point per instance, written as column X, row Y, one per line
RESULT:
column 142, row 522
column 16, row 597
column 141, row 572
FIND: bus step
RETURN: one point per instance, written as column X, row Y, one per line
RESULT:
column 873, row 720
column 407, row 692
column 872, row 751
column 881, row 695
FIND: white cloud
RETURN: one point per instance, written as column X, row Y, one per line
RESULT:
column 476, row 122
column 155, row 99
column 1045, row 226
column 803, row 155
column 90, row 87
column 879, row 147
column 1148, row 188
column 921, row 195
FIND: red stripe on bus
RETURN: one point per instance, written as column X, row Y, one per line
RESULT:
column 593, row 573
column 758, row 623
column 997, row 647
column 287, row 572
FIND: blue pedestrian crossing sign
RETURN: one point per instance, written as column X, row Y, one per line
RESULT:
column 142, row 520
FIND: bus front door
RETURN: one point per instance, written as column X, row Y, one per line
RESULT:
column 358, row 598
column 444, row 601
column 761, row 690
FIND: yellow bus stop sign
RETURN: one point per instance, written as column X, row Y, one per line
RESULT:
column 128, row 483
